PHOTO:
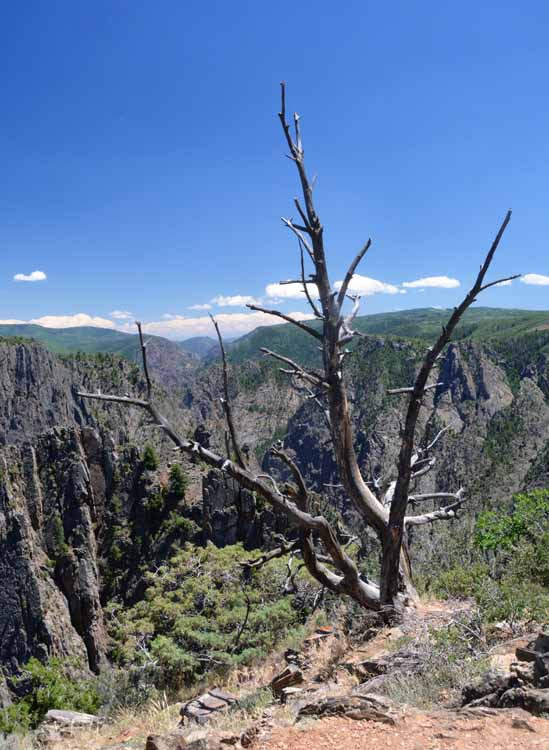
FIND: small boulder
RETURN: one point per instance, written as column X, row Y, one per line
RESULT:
column 530, row 699
column 489, row 684
column 290, row 692
column 541, row 644
column 174, row 741
column 212, row 702
column 524, row 672
column 290, row 676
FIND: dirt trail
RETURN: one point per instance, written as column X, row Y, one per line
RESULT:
column 512, row 730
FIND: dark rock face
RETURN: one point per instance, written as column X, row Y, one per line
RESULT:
column 59, row 470
column 48, row 552
column 232, row 514
column 34, row 618
column 80, row 517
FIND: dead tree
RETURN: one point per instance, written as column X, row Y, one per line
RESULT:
column 324, row 556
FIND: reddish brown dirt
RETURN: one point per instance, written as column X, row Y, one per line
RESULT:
column 512, row 730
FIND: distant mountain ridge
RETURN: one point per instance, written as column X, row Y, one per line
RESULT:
column 170, row 364
column 479, row 323
column 202, row 346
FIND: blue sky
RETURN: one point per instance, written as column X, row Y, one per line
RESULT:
column 143, row 164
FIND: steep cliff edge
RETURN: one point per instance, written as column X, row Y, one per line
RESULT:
column 61, row 463
column 82, row 515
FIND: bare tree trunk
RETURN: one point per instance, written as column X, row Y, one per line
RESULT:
column 324, row 556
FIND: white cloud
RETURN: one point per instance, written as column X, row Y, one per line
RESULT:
column 537, row 279
column 438, row 282
column 34, row 276
column 507, row 282
column 205, row 306
column 71, row 321
column 231, row 324
column 366, row 286
column 289, row 291
column 237, row 300
column 171, row 326
column 122, row 315
column 65, row 321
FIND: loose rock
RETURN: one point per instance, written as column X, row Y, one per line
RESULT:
column 359, row 707
column 212, row 702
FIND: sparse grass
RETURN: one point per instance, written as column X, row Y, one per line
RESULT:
column 450, row 657
column 17, row 742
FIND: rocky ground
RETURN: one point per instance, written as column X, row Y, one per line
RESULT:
column 330, row 694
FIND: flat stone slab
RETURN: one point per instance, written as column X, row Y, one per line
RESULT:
column 526, row 654
column 222, row 695
column 212, row 702
column 71, row 718
column 320, row 634
column 289, row 677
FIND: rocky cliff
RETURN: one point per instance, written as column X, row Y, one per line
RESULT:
column 61, row 461
column 82, row 517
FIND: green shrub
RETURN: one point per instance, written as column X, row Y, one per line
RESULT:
column 514, row 600
column 202, row 611
column 47, row 686
column 150, row 458
column 175, row 523
column 154, row 503
column 178, row 482
column 59, row 547
column 502, row 531
column 511, row 581
column 460, row 582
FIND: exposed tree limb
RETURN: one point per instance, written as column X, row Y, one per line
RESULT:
column 303, row 492
column 311, row 377
column 314, row 308
column 443, row 514
column 394, row 538
column 397, row 391
column 284, row 549
column 288, row 319
column 298, row 231
column 226, row 402
column 351, row 272
column 243, row 624
column 144, row 358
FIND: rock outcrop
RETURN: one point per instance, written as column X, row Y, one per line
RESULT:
column 525, row 686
